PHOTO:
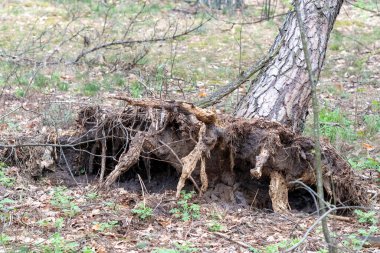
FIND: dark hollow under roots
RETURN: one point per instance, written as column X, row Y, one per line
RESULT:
column 173, row 145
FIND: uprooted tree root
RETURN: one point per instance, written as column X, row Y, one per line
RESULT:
column 260, row 156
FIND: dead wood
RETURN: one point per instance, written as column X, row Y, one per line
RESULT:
column 251, row 161
column 278, row 192
column 206, row 116
column 127, row 159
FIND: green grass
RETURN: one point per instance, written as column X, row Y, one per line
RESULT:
column 4, row 179
column 335, row 125
column 372, row 124
column 361, row 163
column 91, row 88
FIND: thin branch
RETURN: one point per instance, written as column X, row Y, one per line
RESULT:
column 317, row 146
column 323, row 216
column 131, row 42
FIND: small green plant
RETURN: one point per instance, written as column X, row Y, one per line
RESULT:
column 4, row 239
column 58, row 244
column 118, row 80
column 60, row 197
column 4, row 204
column 336, row 40
column 335, row 125
column 87, row 249
column 92, row 195
column 179, row 248
column 40, row 81
column 186, row 210
column 59, row 223
column 91, row 88
column 142, row 211
column 281, row 246
column 48, row 222
column 142, row 244
column 136, row 89
column 366, row 217
column 20, row 92
column 4, row 179
column 354, row 242
column 56, row 81
column 44, row 222
column 253, row 250
column 185, row 247
column 164, row 250
column 105, row 226
column 375, row 105
column 372, row 123
column 365, row 163
column 62, row 200
column 215, row 227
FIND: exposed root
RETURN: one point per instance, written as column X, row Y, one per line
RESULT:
column 190, row 161
column 207, row 150
column 260, row 161
column 278, row 191
column 203, row 175
column 104, row 155
column 127, row 160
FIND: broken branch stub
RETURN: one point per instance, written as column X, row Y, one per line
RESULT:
column 260, row 162
column 203, row 115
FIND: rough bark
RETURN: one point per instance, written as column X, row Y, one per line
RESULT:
column 282, row 90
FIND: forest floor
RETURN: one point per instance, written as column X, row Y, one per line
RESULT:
column 56, row 212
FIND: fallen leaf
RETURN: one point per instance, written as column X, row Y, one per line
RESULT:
column 367, row 146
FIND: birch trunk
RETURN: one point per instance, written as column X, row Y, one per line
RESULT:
column 282, row 90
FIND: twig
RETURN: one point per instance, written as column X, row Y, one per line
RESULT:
column 131, row 42
column 5, row 115
column 341, row 218
column 324, row 215
column 247, row 246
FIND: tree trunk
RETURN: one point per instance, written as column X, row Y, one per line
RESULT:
column 282, row 90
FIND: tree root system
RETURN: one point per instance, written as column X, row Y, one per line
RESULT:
column 253, row 162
